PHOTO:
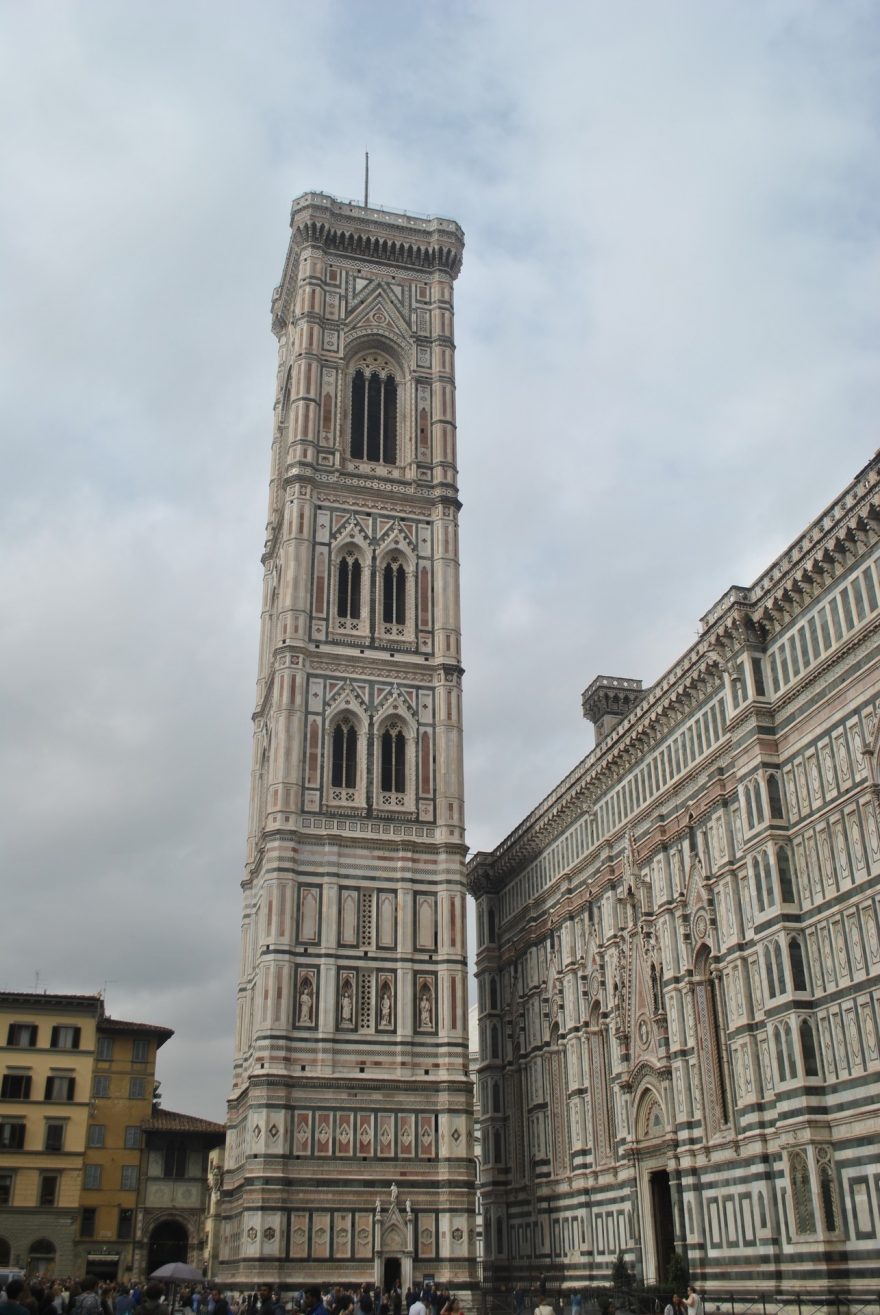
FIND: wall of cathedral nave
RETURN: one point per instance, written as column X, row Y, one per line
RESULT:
column 739, row 1221
column 679, row 956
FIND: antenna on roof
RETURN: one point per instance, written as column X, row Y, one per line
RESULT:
column 37, row 980
column 366, row 179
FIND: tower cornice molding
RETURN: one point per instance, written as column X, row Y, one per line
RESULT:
column 401, row 243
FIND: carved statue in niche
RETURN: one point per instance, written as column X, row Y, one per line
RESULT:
column 385, row 1005
column 618, row 1007
column 306, row 1001
column 426, row 1008
column 346, row 1006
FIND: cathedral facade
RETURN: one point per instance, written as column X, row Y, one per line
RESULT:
column 679, row 957
column 349, row 1152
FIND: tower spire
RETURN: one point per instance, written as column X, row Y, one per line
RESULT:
column 366, row 179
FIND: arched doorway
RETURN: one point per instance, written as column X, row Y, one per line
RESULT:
column 169, row 1241
column 655, row 1189
column 41, row 1257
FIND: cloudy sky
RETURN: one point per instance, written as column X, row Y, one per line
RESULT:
column 667, row 327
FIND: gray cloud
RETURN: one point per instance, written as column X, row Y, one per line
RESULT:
column 667, row 339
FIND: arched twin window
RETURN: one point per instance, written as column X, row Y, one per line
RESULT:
column 348, row 588
column 393, row 760
column 394, row 594
column 373, row 417
column 786, row 1064
column 343, row 765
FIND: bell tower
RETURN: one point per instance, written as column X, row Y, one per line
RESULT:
column 351, row 1068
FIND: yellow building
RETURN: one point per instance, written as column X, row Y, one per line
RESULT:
column 122, row 1085
column 75, row 1089
column 47, row 1053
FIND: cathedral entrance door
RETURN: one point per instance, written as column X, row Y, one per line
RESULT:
column 391, row 1273
column 664, row 1226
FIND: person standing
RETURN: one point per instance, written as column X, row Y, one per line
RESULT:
column 264, row 1302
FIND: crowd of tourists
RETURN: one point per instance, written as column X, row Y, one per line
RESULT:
column 45, row 1295
column 690, row 1304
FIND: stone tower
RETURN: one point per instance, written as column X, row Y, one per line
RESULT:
column 349, row 1149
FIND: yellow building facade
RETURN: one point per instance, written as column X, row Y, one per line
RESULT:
column 122, row 1083
column 47, row 1053
column 76, row 1088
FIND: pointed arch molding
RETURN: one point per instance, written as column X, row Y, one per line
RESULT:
column 380, row 339
column 346, row 696
column 394, row 700
column 648, row 1104
column 397, row 534
column 349, row 529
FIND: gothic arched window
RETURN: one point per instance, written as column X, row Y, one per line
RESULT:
column 774, row 796
column 758, row 883
column 393, row 764
column 597, row 1061
column 768, row 969
column 780, row 1054
column 827, row 1193
column 394, row 594
column 801, row 1193
column 348, row 588
column 786, row 885
column 493, row 993
column 750, row 811
column 808, row 1049
column 768, row 879
column 343, row 766
column 780, row 966
column 710, row 1043
column 789, row 1050
column 798, row 971
column 373, row 417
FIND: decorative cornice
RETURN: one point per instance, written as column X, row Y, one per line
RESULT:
column 406, row 243
column 741, row 615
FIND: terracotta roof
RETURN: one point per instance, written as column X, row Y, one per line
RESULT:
column 170, row 1121
column 123, row 1025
